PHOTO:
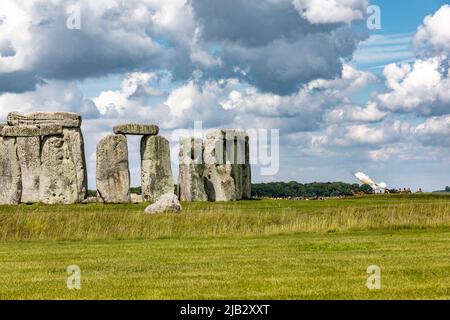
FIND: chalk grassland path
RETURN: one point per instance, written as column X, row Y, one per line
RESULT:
column 252, row 249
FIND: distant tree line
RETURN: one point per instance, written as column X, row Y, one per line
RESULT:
column 294, row 189
column 447, row 189
column 137, row 190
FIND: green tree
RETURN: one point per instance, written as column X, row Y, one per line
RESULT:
column 366, row 189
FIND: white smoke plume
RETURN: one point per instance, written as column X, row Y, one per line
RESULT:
column 365, row 179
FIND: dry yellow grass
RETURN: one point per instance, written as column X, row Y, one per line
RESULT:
column 246, row 218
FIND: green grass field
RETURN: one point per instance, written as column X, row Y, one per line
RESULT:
column 260, row 249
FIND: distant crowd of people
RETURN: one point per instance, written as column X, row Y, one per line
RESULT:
column 402, row 191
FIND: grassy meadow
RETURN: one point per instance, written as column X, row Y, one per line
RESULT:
column 256, row 249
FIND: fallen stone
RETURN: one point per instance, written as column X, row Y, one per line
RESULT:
column 29, row 153
column 63, row 176
column 166, row 203
column 90, row 200
column 10, row 175
column 156, row 172
column 136, row 129
column 50, row 129
column 191, row 167
column 113, row 175
column 65, row 119
column 21, row 131
column 136, row 198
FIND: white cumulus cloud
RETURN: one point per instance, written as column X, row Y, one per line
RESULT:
column 331, row 11
column 422, row 88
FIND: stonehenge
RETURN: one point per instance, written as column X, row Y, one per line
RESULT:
column 217, row 168
column 113, row 176
column 42, row 159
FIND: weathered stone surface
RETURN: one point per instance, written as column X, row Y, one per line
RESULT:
column 156, row 172
column 10, row 176
column 32, row 130
column 113, row 175
column 50, row 129
column 219, row 183
column 240, row 159
column 247, row 173
column 90, row 200
column 65, row 119
column 166, row 203
column 63, row 177
column 227, row 173
column 136, row 198
column 2, row 125
column 29, row 153
column 238, row 154
column 235, row 155
column 75, row 141
column 191, row 167
column 21, row 131
column 136, row 129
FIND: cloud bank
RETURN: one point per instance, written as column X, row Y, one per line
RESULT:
column 285, row 64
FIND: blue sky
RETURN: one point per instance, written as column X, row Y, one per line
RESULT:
column 309, row 69
column 404, row 16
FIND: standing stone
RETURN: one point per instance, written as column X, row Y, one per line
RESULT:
column 247, row 174
column 113, row 175
column 10, row 176
column 238, row 154
column 75, row 142
column 219, row 183
column 156, row 172
column 224, row 171
column 63, row 178
column 190, row 179
column 235, row 155
column 29, row 153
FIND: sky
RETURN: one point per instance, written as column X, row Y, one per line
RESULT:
column 342, row 97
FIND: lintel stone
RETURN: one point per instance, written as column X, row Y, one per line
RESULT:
column 21, row 131
column 65, row 119
column 136, row 129
column 50, row 129
column 2, row 125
